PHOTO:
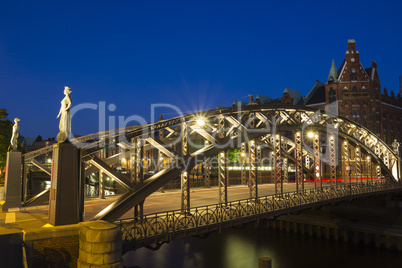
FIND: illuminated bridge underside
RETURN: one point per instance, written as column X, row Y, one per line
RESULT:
column 278, row 130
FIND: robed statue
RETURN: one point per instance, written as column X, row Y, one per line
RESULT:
column 395, row 146
column 65, row 117
column 15, row 135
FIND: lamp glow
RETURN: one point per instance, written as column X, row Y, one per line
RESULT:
column 200, row 122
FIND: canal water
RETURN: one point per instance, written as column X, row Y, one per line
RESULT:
column 241, row 248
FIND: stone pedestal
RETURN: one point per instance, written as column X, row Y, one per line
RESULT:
column 66, row 191
column 100, row 245
column 12, row 185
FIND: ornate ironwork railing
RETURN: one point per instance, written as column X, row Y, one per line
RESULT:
column 154, row 229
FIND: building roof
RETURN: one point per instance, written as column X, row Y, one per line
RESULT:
column 333, row 74
column 29, row 141
column 263, row 99
column 316, row 94
column 237, row 103
column 294, row 94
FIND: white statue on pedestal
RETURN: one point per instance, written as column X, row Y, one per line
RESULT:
column 65, row 117
column 15, row 135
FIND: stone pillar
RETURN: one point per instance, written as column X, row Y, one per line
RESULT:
column 12, row 185
column 66, row 199
column 100, row 245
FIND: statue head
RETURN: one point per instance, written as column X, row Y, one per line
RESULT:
column 67, row 90
column 16, row 120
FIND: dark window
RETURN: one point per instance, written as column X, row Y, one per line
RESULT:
column 354, row 89
column 332, row 95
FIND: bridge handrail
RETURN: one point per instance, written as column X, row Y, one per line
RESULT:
column 159, row 226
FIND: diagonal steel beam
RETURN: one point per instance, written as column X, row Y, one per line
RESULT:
column 41, row 167
column 203, row 133
column 161, row 148
column 120, row 178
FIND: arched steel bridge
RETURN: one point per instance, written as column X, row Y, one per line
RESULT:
column 315, row 143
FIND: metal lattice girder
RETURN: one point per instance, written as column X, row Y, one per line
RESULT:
column 272, row 163
column 369, row 168
column 221, row 127
column 278, row 166
column 243, row 163
column 345, row 162
column 358, row 163
column 161, row 161
column 223, row 187
column 207, row 173
column 42, row 167
column 259, row 164
column 139, row 155
column 185, row 193
column 251, row 120
column 285, row 170
column 184, row 136
column 332, row 159
column 252, row 184
column 378, row 171
column 120, row 178
column 204, row 134
column 299, row 162
column 162, row 148
column 386, row 159
column 307, row 163
column 317, row 160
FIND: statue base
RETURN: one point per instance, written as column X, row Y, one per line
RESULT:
column 12, row 184
column 61, row 137
column 66, row 201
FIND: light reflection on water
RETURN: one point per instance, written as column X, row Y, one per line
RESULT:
column 242, row 247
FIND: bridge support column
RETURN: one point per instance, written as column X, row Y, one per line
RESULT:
column 317, row 161
column 139, row 174
column 299, row 162
column 253, row 180
column 207, row 173
column 185, row 193
column 12, row 185
column 358, row 163
column 378, row 172
column 161, row 163
column 278, row 166
column 243, row 163
column 185, row 183
column 332, row 160
column 223, row 187
column 345, row 162
column 369, row 170
column 285, row 170
column 259, row 165
column 101, row 185
column 272, row 163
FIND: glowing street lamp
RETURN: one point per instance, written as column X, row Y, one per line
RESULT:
column 200, row 122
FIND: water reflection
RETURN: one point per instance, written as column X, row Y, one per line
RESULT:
column 241, row 247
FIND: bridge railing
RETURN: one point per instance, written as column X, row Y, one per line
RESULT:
column 154, row 229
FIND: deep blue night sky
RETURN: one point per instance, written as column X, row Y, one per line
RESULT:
column 186, row 53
